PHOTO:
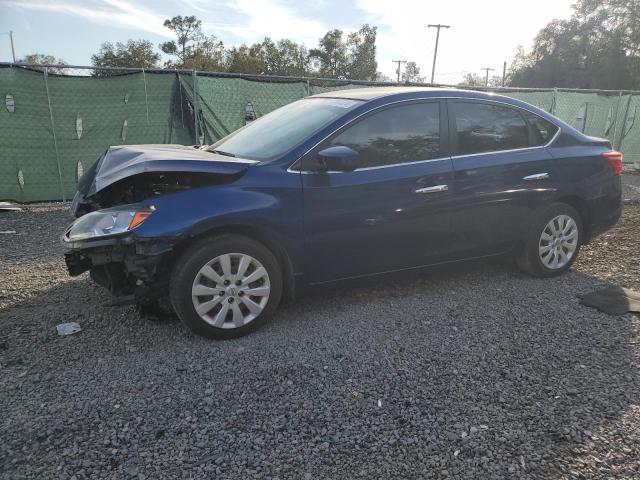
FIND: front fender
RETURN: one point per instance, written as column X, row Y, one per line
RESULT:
column 275, row 211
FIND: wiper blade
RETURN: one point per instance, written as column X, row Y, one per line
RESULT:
column 220, row 152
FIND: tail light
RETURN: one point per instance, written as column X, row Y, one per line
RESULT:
column 615, row 160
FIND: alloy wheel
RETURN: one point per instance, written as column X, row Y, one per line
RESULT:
column 558, row 242
column 231, row 290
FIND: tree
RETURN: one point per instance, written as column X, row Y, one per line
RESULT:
column 411, row 73
column 207, row 54
column 472, row 80
column 192, row 49
column 243, row 59
column 361, row 59
column 598, row 47
column 134, row 53
column 331, row 55
column 43, row 59
column 475, row 80
column 354, row 58
column 381, row 77
column 187, row 30
column 283, row 58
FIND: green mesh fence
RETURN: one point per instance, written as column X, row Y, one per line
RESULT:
column 53, row 126
column 224, row 102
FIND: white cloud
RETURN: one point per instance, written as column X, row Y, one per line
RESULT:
column 197, row 5
column 267, row 18
column 482, row 34
column 117, row 13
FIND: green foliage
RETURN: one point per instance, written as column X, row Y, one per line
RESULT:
column 243, row 59
column 361, row 47
column 475, row 80
column 331, row 55
column 134, row 53
column 598, row 47
column 354, row 58
column 192, row 49
column 43, row 59
column 412, row 73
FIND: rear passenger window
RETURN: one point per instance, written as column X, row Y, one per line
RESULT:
column 402, row 134
column 483, row 127
column 542, row 131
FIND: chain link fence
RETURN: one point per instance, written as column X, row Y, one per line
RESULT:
column 57, row 120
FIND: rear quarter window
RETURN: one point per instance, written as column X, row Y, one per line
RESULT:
column 542, row 131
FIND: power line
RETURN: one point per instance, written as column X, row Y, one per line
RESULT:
column 448, row 74
column 399, row 62
column 435, row 52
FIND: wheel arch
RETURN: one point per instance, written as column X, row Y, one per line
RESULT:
column 257, row 234
column 582, row 208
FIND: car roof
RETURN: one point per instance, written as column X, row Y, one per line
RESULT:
column 373, row 93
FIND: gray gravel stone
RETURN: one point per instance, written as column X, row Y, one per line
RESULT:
column 544, row 387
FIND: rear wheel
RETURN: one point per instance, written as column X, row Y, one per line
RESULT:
column 553, row 243
column 226, row 286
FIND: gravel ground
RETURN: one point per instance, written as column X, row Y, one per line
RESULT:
column 631, row 186
column 476, row 372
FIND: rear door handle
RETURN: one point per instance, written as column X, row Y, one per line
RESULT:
column 536, row 176
column 434, row 189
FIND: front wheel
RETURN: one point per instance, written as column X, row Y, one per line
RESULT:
column 226, row 286
column 553, row 242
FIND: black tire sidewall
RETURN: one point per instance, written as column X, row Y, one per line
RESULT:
column 192, row 260
column 533, row 257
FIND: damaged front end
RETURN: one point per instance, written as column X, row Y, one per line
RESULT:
column 104, row 243
column 132, row 272
column 133, row 173
column 116, row 196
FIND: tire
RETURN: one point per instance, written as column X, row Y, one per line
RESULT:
column 158, row 309
column 201, row 269
column 555, row 253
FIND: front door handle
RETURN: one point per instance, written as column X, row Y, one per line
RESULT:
column 536, row 176
column 434, row 189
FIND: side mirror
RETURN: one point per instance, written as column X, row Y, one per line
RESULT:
column 337, row 159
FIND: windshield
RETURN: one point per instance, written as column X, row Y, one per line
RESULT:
column 279, row 131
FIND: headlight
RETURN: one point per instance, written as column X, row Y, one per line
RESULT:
column 106, row 222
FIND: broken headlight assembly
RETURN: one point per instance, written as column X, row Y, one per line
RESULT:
column 108, row 222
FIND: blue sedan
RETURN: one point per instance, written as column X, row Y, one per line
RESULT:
column 337, row 186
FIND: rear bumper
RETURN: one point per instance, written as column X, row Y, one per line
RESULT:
column 604, row 223
column 605, row 210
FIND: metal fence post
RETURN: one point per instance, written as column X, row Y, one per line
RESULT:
column 146, row 98
column 308, row 88
column 554, row 102
column 53, row 132
column 180, row 91
column 624, row 122
column 195, row 107
column 615, row 126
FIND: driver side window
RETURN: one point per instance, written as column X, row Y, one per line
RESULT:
column 401, row 134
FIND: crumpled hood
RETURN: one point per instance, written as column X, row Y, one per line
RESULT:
column 124, row 161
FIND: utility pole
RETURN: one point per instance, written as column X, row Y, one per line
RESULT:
column 435, row 52
column 13, row 50
column 486, row 77
column 504, row 72
column 399, row 62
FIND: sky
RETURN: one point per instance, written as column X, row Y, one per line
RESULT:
column 483, row 33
